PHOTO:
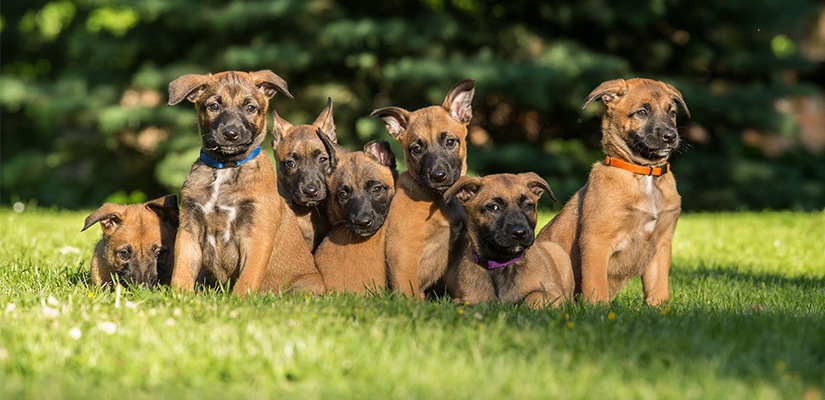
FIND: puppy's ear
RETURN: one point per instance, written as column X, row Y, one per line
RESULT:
column 459, row 101
column 607, row 91
column 269, row 83
column 279, row 128
column 325, row 121
column 189, row 87
column 677, row 96
column 332, row 150
column 537, row 184
column 396, row 120
column 109, row 215
column 166, row 208
column 464, row 189
column 381, row 151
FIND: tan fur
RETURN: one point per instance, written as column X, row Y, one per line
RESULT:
column 621, row 224
column 543, row 277
column 424, row 231
column 233, row 223
column 137, row 237
column 302, row 141
column 349, row 262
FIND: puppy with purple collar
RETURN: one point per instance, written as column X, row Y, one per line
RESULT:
column 502, row 263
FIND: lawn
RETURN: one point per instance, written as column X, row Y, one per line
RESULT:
column 746, row 321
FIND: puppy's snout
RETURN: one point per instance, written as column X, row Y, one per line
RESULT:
column 519, row 232
column 231, row 133
column 438, row 175
column 669, row 135
column 310, row 190
column 363, row 221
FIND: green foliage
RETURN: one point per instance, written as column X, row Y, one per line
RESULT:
column 83, row 93
column 745, row 321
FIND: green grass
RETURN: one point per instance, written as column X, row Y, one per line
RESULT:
column 746, row 321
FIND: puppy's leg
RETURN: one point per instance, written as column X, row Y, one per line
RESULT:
column 256, row 249
column 188, row 261
column 101, row 271
column 469, row 283
column 595, row 255
column 562, row 265
column 655, row 276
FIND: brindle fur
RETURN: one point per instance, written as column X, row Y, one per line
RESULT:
column 304, row 162
column 351, row 257
column 138, row 242
column 424, row 232
column 501, row 221
column 620, row 224
column 233, row 223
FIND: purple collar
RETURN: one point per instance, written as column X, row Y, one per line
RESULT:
column 490, row 264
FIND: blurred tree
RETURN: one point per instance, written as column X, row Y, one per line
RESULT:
column 83, row 88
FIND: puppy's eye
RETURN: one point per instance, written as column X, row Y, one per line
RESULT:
column 323, row 160
column 642, row 113
column 124, row 255
column 343, row 195
column 492, row 207
column 214, row 107
column 673, row 114
column 377, row 190
column 416, row 150
column 451, row 143
column 289, row 164
column 251, row 109
column 160, row 253
column 528, row 206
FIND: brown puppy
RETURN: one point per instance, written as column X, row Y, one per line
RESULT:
column 138, row 242
column 233, row 223
column 304, row 163
column 351, row 257
column 424, row 232
column 621, row 223
column 502, row 264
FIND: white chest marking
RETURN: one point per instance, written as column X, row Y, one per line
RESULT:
column 222, row 176
column 649, row 187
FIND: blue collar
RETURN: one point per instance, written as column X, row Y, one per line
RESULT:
column 217, row 164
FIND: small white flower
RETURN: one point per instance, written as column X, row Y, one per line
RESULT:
column 108, row 328
column 10, row 307
column 51, row 301
column 69, row 250
column 75, row 333
column 177, row 312
column 131, row 305
column 50, row 313
column 4, row 354
column 170, row 321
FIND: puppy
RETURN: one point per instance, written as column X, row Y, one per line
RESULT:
column 424, row 232
column 303, row 165
column 351, row 257
column 621, row 223
column 502, row 264
column 138, row 242
column 233, row 223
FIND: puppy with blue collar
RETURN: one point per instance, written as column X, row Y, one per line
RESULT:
column 233, row 224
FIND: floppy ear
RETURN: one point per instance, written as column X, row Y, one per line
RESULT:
column 279, row 128
column 464, row 189
column 396, row 120
column 678, row 97
column 608, row 91
column 537, row 184
column 325, row 121
column 269, row 83
column 166, row 208
column 459, row 101
column 189, row 87
column 109, row 215
column 332, row 150
column 380, row 150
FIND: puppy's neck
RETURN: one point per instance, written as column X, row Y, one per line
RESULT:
column 491, row 264
column 212, row 162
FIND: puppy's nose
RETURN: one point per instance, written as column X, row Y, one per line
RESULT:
column 310, row 190
column 519, row 232
column 231, row 133
column 669, row 135
column 438, row 175
column 363, row 221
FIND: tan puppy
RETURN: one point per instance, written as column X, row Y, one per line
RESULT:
column 425, row 233
column 621, row 223
column 233, row 223
column 304, row 163
column 138, row 242
column 502, row 263
column 351, row 257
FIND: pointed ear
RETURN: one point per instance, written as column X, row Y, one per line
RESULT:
column 678, row 97
column 325, row 121
column 166, row 208
column 381, row 151
column 607, row 91
column 109, row 215
column 459, row 101
column 537, row 184
column 189, row 87
column 332, row 150
column 269, row 83
column 464, row 189
column 396, row 120
column 280, row 127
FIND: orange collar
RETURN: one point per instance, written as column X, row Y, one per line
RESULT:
column 638, row 169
